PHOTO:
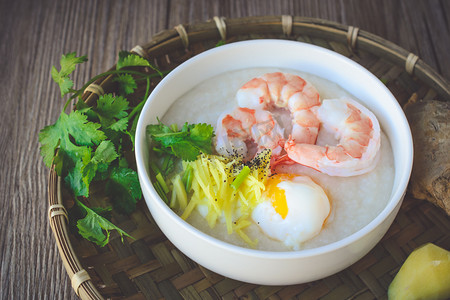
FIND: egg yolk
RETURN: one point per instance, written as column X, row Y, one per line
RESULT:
column 276, row 194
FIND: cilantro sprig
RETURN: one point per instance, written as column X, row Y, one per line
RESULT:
column 171, row 144
column 89, row 144
column 68, row 63
column 95, row 227
column 186, row 143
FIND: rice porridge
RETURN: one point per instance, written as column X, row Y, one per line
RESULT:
column 355, row 200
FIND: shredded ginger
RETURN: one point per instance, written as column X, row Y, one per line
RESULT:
column 212, row 176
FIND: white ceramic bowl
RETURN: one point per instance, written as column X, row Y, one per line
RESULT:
column 264, row 267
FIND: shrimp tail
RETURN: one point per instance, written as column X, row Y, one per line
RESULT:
column 280, row 161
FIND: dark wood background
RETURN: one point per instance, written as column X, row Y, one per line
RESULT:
column 34, row 34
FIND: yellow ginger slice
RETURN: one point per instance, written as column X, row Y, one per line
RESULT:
column 424, row 275
column 212, row 177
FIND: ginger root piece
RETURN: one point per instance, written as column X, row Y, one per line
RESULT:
column 424, row 275
column 430, row 126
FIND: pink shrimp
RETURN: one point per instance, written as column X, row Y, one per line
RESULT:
column 357, row 131
column 285, row 91
column 244, row 127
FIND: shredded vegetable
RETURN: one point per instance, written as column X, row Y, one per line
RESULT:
column 228, row 188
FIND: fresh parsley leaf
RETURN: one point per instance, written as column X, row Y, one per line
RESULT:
column 63, row 162
column 120, row 125
column 93, row 227
column 127, row 84
column 64, row 82
column 123, row 189
column 112, row 112
column 159, row 129
column 105, row 153
column 200, row 136
column 127, row 59
column 105, row 212
column 186, row 143
column 88, row 144
column 103, row 156
column 185, row 150
column 68, row 63
column 73, row 133
column 83, row 108
column 76, row 180
column 102, row 172
column 80, row 177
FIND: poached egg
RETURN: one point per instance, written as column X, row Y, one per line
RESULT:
column 294, row 209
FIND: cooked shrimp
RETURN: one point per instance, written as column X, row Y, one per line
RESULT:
column 357, row 131
column 244, row 126
column 285, row 91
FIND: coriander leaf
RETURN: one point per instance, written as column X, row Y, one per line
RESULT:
column 73, row 133
column 169, row 139
column 110, row 109
column 127, row 59
column 79, row 177
column 158, row 129
column 64, row 82
column 105, row 212
column 104, row 155
column 123, row 188
column 83, row 108
column 102, row 172
column 62, row 162
column 120, row 125
column 201, row 135
column 93, row 227
column 165, row 137
column 186, row 143
column 75, row 180
column 127, row 84
column 185, row 150
column 68, row 63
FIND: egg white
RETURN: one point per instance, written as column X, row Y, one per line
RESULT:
column 308, row 208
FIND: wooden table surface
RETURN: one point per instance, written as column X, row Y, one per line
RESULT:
column 33, row 36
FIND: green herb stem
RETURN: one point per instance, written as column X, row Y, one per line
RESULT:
column 147, row 90
column 160, row 191
column 165, row 164
column 162, row 182
column 137, row 109
column 155, row 168
column 187, row 178
column 240, row 177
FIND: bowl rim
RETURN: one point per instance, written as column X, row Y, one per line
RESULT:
column 396, row 196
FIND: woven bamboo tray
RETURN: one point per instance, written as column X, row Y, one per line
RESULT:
column 150, row 267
